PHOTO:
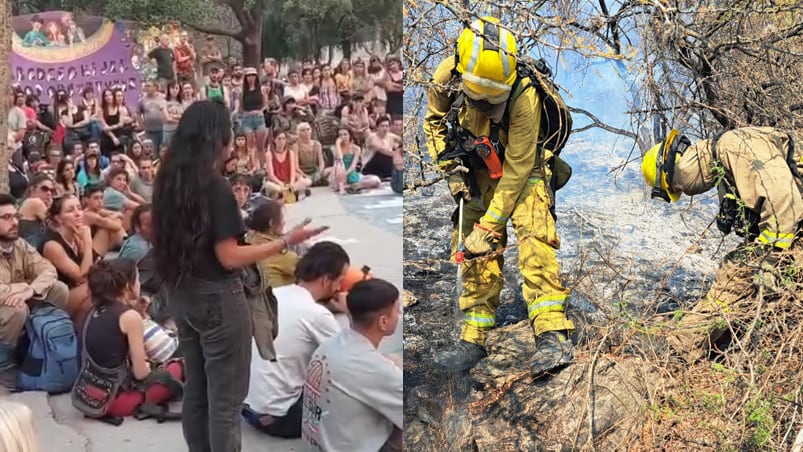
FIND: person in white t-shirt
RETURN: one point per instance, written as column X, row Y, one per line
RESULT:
column 306, row 319
column 352, row 393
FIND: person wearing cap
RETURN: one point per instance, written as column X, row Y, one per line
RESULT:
column 91, row 165
column 757, row 175
column 483, row 72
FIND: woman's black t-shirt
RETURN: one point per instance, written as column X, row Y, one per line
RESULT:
column 53, row 235
column 226, row 222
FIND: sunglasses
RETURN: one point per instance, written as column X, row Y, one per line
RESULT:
column 47, row 189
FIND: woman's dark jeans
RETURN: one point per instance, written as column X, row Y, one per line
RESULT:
column 214, row 327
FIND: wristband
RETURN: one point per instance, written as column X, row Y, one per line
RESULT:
column 490, row 231
column 286, row 242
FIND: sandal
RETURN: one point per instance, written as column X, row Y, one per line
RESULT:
column 161, row 412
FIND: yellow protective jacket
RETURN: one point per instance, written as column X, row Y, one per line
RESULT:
column 754, row 159
column 520, row 140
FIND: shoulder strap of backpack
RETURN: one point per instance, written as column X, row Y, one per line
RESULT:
column 84, row 353
column 790, row 158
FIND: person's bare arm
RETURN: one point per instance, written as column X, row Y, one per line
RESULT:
column 136, row 197
column 128, row 203
column 132, row 326
column 111, row 223
column 319, row 154
column 375, row 144
column 232, row 256
column 56, row 254
column 355, row 159
column 265, row 97
column 253, row 161
column 34, row 207
column 293, row 166
column 344, row 116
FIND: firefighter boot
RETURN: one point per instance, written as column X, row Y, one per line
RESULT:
column 463, row 356
column 553, row 349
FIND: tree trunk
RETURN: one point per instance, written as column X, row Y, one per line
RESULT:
column 5, row 87
column 252, row 45
column 345, row 45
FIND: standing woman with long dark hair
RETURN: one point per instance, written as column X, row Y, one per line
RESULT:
column 198, row 250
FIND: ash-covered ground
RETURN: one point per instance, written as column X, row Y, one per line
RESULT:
column 619, row 249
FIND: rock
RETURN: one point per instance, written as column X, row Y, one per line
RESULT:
column 517, row 412
column 408, row 299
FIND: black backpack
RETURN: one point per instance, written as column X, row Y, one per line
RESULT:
column 556, row 119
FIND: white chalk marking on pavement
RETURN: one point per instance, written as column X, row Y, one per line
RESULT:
column 338, row 240
column 386, row 204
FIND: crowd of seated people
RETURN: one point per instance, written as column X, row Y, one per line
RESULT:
column 77, row 221
column 290, row 130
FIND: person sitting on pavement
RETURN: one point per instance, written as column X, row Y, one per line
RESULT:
column 90, row 166
column 282, row 177
column 119, row 160
column 760, row 200
column 273, row 404
column 229, row 167
column 266, row 223
column 67, row 243
column 142, row 183
column 378, row 152
column 354, row 117
column 247, row 162
column 311, row 163
column 65, row 178
column 108, row 232
column 33, row 210
column 24, row 276
column 114, row 337
column 138, row 243
column 118, row 197
column 243, row 192
column 353, row 394
column 345, row 176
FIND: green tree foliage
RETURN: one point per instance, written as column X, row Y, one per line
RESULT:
column 276, row 28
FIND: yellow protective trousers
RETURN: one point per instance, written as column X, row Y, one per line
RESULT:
column 730, row 300
column 482, row 277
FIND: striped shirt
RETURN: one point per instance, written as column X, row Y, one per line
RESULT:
column 159, row 346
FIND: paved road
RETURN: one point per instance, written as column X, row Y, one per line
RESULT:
column 369, row 228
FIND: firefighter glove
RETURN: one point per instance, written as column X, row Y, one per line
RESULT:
column 481, row 241
column 458, row 187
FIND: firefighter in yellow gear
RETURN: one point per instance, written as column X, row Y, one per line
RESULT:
column 484, row 70
column 757, row 173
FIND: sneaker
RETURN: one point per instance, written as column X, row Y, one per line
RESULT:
column 553, row 349
column 464, row 356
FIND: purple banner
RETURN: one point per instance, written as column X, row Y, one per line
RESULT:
column 53, row 50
